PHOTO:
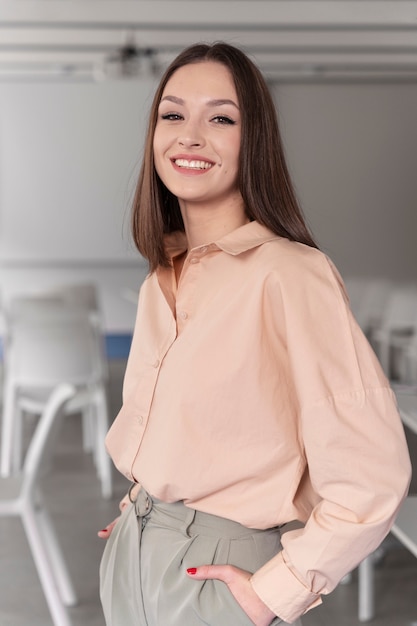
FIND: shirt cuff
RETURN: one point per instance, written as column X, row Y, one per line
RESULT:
column 281, row 590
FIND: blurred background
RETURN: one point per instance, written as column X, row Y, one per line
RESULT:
column 76, row 82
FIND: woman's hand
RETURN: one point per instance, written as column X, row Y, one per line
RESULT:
column 107, row 531
column 238, row 582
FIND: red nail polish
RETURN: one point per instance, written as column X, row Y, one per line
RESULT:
column 103, row 530
column 192, row 570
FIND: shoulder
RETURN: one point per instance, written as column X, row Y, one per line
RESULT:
column 292, row 260
column 300, row 271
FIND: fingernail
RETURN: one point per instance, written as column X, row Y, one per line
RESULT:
column 103, row 530
column 192, row 570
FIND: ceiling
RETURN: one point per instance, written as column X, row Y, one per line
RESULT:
column 87, row 40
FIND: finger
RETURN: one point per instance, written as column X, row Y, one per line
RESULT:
column 105, row 533
column 218, row 572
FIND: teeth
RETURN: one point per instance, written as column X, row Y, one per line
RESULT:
column 195, row 165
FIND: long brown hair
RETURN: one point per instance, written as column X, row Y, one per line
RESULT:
column 263, row 178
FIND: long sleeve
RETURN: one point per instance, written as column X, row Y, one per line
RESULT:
column 356, row 453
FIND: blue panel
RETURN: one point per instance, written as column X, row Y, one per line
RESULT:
column 118, row 345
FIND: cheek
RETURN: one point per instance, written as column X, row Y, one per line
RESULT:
column 157, row 154
column 235, row 152
column 159, row 142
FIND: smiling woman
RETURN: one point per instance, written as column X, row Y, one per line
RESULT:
column 251, row 398
column 196, row 149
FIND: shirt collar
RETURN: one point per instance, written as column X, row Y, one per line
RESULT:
column 175, row 244
column 240, row 240
column 245, row 238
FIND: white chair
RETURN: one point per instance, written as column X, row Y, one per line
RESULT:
column 405, row 525
column 368, row 297
column 21, row 496
column 49, row 342
column 2, row 341
column 398, row 326
column 405, row 530
column 83, row 296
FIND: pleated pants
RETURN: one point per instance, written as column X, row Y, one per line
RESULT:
column 143, row 580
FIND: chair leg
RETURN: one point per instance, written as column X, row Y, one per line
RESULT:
column 88, row 428
column 366, row 608
column 57, row 609
column 7, row 455
column 104, row 463
column 17, row 450
column 62, row 576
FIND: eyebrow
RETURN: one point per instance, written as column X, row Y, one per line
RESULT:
column 212, row 103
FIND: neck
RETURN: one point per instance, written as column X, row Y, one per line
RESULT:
column 205, row 224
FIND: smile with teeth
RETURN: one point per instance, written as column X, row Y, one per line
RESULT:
column 193, row 165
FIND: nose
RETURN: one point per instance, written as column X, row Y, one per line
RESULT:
column 191, row 136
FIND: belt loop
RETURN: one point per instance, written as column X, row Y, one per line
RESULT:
column 129, row 493
column 189, row 520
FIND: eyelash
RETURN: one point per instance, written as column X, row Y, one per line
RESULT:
column 223, row 119
column 172, row 117
column 218, row 119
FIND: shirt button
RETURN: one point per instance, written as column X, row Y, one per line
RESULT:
column 203, row 249
column 194, row 260
column 183, row 315
column 140, row 420
column 156, row 364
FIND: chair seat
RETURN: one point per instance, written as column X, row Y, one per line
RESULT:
column 33, row 400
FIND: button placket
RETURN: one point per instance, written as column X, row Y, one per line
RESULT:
column 189, row 278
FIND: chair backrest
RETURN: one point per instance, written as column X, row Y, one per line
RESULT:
column 368, row 298
column 43, row 440
column 401, row 309
column 52, row 343
column 84, row 295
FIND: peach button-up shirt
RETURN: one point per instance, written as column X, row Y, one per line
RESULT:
column 252, row 394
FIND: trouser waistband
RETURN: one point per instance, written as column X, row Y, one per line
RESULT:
column 178, row 515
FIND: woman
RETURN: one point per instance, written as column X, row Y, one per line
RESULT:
column 251, row 398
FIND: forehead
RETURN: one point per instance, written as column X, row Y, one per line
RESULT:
column 204, row 77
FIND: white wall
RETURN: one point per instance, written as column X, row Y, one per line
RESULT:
column 69, row 156
column 68, row 159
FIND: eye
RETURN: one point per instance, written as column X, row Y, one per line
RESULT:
column 223, row 119
column 172, row 117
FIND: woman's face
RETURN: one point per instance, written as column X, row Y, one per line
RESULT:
column 197, row 135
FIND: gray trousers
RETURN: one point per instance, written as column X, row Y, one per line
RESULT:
column 143, row 580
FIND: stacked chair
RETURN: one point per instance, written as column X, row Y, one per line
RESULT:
column 54, row 337
column 368, row 300
column 393, row 335
column 397, row 330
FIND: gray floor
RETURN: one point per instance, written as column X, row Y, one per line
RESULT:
column 79, row 511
